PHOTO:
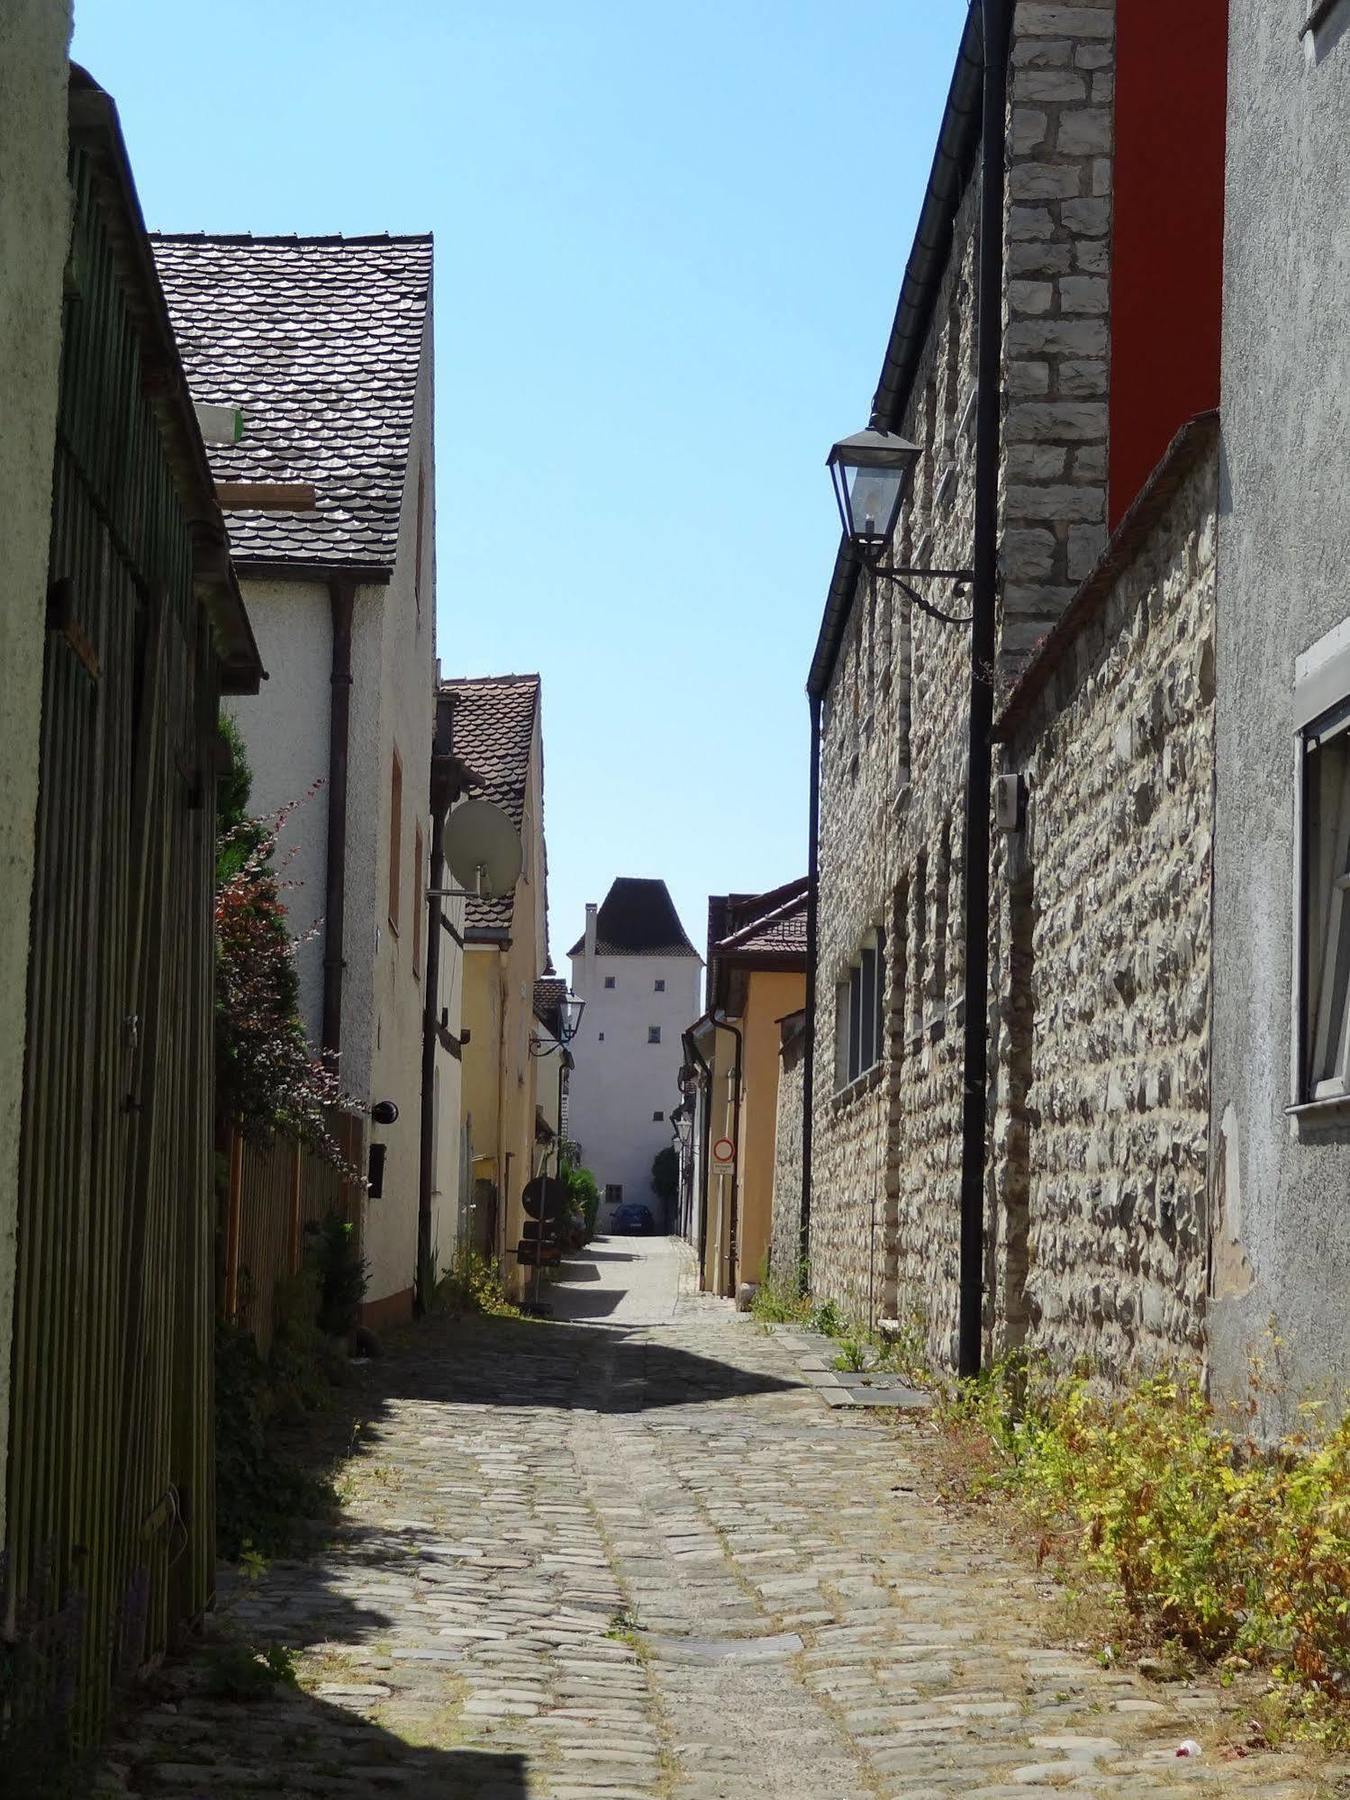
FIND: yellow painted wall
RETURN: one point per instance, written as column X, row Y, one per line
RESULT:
column 773, row 995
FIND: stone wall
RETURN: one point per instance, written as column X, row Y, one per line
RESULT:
column 1102, row 952
column 886, row 1150
column 785, row 1242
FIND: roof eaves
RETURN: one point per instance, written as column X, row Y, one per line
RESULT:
column 958, row 137
column 93, row 121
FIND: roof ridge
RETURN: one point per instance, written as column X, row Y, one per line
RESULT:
column 290, row 237
column 448, row 681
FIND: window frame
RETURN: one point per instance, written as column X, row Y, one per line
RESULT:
column 395, row 839
column 653, row 1034
column 1322, row 914
column 860, row 1022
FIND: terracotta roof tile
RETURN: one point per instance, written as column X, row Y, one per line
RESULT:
column 493, row 732
column 318, row 341
column 773, row 925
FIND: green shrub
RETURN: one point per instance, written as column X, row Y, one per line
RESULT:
column 585, row 1192
column 780, row 1301
column 342, row 1274
column 237, row 1671
column 1237, row 1554
column 261, row 1495
column 827, row 1319
column 473, row 1284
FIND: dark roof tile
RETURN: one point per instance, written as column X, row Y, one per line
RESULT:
column 493, row 732
column 637, row 918
column 318, row 341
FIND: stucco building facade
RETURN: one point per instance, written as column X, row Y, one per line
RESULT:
column 638, row 974
column 756, row 979
column 498, row 733
column 324, row 345
column 1280, row 1111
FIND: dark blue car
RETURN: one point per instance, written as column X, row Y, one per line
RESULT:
column 632, row 1220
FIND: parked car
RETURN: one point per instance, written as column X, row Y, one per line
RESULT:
column 632, row 1220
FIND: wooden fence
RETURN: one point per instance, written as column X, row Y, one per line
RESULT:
column 275, row 1191
column 110, row 1525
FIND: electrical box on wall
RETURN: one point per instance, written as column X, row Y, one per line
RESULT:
column 1010, row 802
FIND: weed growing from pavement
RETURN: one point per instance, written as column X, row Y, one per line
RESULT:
column 1172, row 1530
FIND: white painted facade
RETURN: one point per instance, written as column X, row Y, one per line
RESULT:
column 34, row 240
column 285, row 730
column 622, row 1080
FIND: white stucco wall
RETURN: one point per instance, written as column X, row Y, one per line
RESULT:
column 285, row 731
column 621, row 1079
column 34, row 236
column 395, row 658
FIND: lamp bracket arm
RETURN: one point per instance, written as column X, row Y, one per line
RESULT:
column 913, row 595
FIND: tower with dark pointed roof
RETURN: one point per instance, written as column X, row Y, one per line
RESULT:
column 639, row 975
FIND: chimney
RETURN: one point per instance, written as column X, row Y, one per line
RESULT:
column 591, row 910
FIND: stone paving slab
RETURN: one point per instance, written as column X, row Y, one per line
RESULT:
column 644, row 1562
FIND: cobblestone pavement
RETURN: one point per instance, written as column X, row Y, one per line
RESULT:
column 593, row 1561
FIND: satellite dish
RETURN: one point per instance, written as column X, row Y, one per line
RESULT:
column 483, row 850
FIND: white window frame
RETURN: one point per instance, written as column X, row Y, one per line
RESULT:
column 860, row 1012
column 1320, row 1061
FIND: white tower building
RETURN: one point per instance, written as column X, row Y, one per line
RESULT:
column 639, row 976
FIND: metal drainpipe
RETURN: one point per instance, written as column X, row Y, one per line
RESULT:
column 694, row 1054
column 341, row 598
column 812, row 942
column 738, row 1074
column 442, row 793
column 974, row 1108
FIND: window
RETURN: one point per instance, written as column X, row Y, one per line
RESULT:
column 609, row 981
column 417, row 902
column 659, row 987
column 601, row 1037
column 1325, row 906
column 613, row 1193
column 421, row 526
column 657, row 1118
column 653, row 1034
column 395, row 838
column 861, row 1012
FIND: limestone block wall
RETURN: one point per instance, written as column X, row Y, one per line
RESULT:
column 886, row 1160
column 785, row 1231
column 1102, row 953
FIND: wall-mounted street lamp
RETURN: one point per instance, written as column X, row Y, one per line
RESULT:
column 872, row 472
column 570, row 1009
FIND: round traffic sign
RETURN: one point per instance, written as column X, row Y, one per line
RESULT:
column 723, row 1153
column 545, row 1197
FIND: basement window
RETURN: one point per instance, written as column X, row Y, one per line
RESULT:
column 1325, row 905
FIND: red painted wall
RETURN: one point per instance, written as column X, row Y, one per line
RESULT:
column 1167, row 231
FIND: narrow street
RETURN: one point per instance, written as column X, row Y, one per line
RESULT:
column 631, row 1555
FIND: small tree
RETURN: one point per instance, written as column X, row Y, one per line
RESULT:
column 666, row 1177
column 268, row 1077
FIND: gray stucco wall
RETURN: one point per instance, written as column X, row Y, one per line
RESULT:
column 1280, row 1190
column 34, row 236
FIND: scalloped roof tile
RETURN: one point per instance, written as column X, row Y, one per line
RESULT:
column 318, row 341
column 492, row 730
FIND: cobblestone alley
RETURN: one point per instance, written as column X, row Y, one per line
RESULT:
column 634, row 1555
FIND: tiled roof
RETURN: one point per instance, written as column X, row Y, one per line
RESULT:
column 772, row 924
column 317, row 340
column 637, row 918
column 492, row 731
column 549, row 993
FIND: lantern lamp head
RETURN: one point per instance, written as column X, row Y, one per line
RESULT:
column 871, row 472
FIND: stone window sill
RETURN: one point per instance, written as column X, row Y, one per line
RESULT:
column 865, row 1083
column 1309, row 1114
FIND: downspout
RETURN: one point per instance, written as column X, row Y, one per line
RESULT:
column 442, row 792
column 812, row 944
column 694, row 1054
column 975, row 1100
column 738, row 1075
column 341, row 599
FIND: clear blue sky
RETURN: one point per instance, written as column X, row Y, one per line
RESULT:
column 669, row 241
